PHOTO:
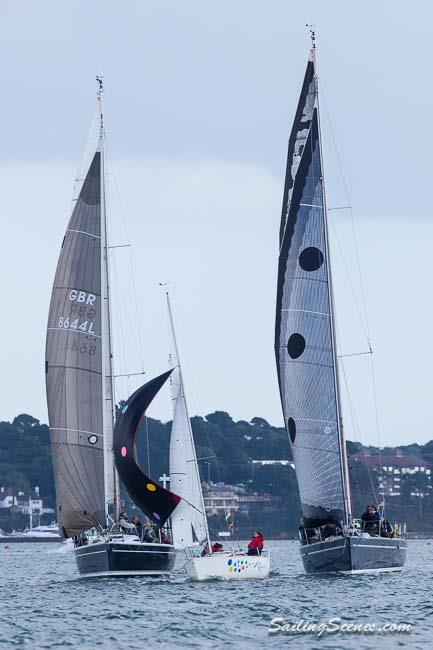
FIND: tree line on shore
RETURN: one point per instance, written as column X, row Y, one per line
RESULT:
column 225, row 450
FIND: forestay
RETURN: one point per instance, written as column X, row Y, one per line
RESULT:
column 304, row 337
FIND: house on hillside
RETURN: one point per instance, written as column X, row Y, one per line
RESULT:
column 24, row 503
column 397, row 473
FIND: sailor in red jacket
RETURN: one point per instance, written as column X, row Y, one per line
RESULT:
column 255, row 547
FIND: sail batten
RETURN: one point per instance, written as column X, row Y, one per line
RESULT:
column 304, row 337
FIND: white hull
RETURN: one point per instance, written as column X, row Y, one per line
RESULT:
column 228, row 566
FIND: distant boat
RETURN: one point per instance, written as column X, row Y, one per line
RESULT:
column 331, row 539
column 189, row 521
column 81, row 401
column 32, row 535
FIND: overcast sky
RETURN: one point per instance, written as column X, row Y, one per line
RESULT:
column 199, row 103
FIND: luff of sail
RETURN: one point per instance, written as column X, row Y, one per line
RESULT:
column 189, row 523
column 74, row 365
column 304, row 341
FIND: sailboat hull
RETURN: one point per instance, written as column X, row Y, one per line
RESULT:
column 228, row 566
column 123, row 559
column 353, row 555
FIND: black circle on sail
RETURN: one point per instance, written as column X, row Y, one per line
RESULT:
column 291, row 426
column 295, row 345
column 311, row 259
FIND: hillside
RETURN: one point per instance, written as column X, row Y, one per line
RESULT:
column 225, row 450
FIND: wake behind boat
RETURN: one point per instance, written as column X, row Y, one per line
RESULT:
column 332, row 540
column 81, row 401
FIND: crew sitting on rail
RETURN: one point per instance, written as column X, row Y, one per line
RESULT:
column 216, row 548
column 125, row 525
column 149, row 533
column 255, row 547
column 371, row 520
column 138, row 525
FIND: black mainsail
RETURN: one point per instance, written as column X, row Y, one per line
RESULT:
column 304, row 331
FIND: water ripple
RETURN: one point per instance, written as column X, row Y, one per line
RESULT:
column 44, row 605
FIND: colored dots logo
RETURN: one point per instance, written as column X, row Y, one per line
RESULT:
column 123, row 451
column 151, row 487
column 237, row 566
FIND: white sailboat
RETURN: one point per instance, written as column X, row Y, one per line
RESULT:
column 189, row 521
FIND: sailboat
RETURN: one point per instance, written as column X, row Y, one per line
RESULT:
column 81, row 400
column 189, row 522
column 332, row 540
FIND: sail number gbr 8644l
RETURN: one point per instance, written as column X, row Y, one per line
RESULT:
column 82, row 311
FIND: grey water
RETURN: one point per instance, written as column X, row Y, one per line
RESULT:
column 43, row 604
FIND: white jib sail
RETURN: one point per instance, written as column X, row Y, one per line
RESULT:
column 189, row 521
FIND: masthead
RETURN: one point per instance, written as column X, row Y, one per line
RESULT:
column 312, row 35
column 100, row 82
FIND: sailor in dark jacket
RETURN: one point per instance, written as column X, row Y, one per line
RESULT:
column 138, row 526
column 371, row 520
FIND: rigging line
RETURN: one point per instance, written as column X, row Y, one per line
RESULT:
column 354, row 419
column 352, row 219
column 354, row 354
column 356, row 431
column 129, row 374
column 376, row 410
column 352, row 288
column 360, row 276
column 364, row 321
column 117, row 313
column 132, row 265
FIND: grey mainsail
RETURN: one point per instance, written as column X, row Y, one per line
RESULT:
column 74, row 365
column 304, row 330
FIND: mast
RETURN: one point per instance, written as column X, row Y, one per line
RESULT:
column 107, row 368
column 343, row 454
column 170, row 315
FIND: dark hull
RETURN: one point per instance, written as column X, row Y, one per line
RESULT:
column 353, row 555
column 104, row 559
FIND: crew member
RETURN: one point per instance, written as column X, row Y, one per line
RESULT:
column 255, row 547
column 138, row 526
column 124, row 523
